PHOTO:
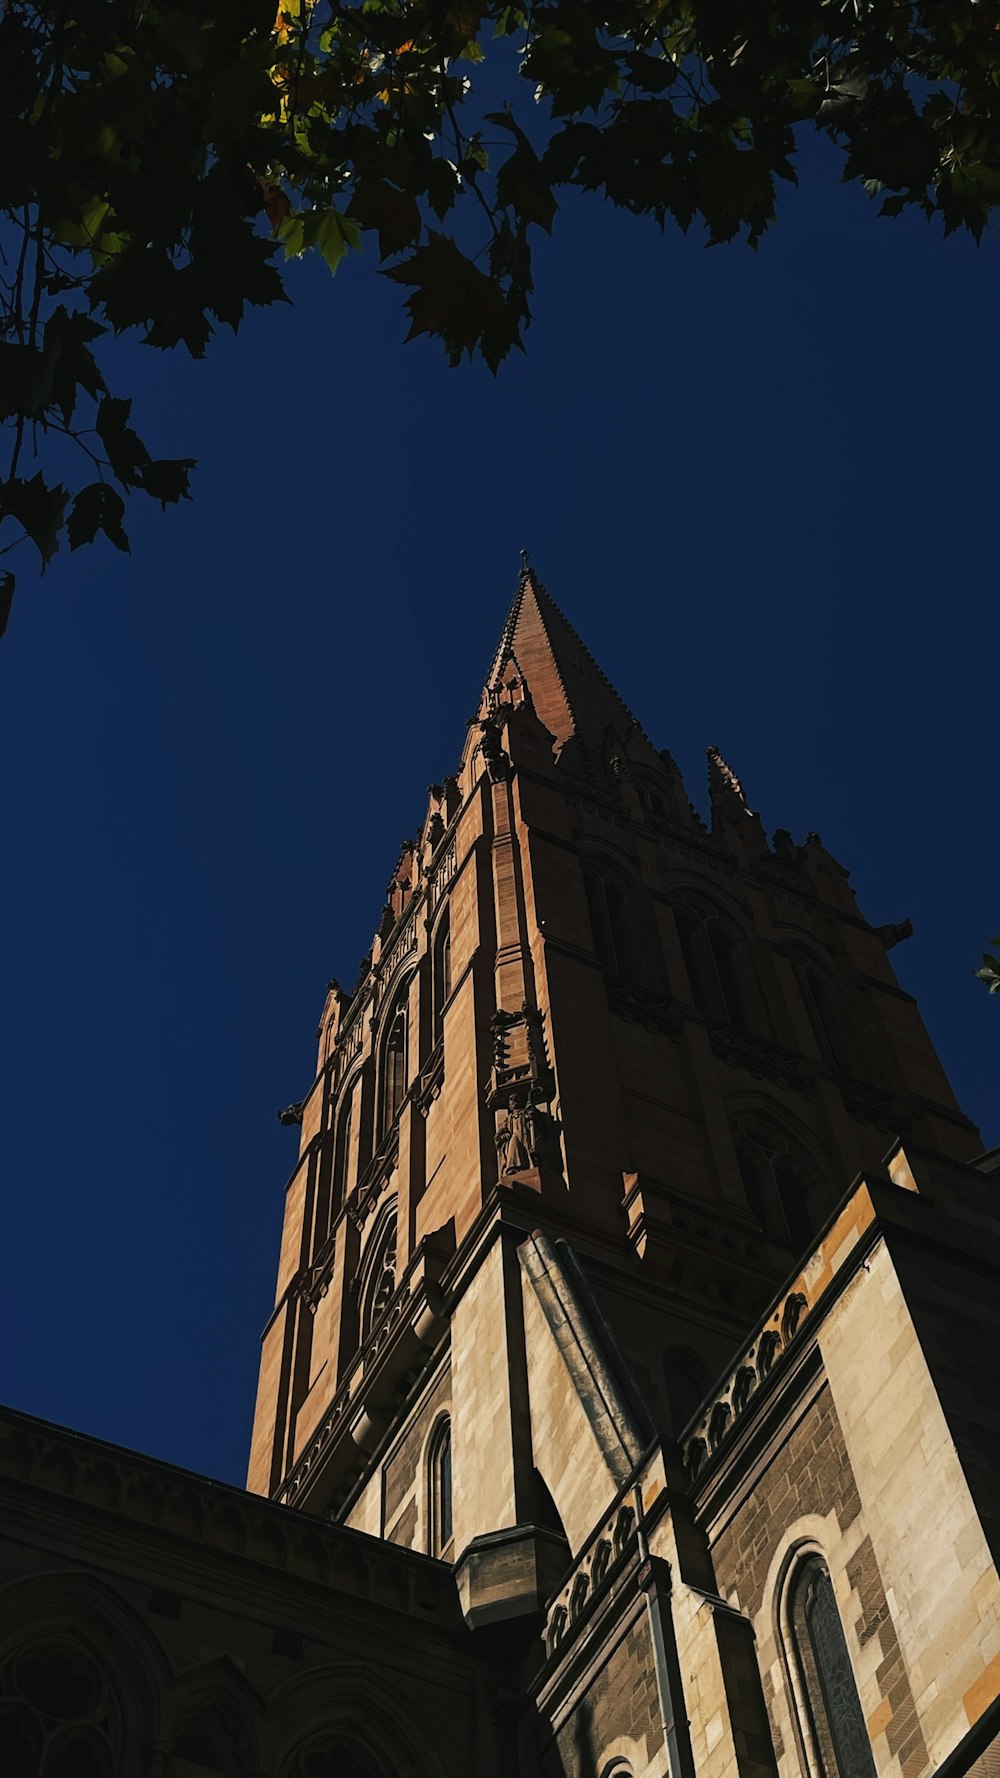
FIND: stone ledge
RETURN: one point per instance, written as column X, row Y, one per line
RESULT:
column 509, row 1574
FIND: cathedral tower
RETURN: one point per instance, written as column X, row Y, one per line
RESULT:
column 668, row 1045
column 628, row 1406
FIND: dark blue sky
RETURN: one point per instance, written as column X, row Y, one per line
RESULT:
column 765, row 491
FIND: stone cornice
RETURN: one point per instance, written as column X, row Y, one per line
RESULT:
column 41, row 1462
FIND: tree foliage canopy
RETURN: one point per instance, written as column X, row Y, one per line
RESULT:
column 162, row 160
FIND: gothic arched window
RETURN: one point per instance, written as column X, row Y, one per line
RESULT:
column 687, row 1383
column 343, row 1158
column 832, row 1718
column 439, row 1491
column 394, row 1057
column 651, row 801
column 379, row 1276
column 57, row 1718
column 783, row 1188
column 828, row 1015
column 720, row 967
column 614, row 916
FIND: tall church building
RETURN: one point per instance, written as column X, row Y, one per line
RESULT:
column 628, row 1406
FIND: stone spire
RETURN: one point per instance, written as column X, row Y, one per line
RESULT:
column 571, row 696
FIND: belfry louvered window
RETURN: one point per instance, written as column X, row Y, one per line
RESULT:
column 720, row 968
column 783, row 1188
column 614, row 917
column 828, row 1016
column 833, row 1721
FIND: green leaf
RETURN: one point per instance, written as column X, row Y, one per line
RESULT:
column 509, row 20
column 86, row 230
column 442, row 186
column 39, row 509
column 231, row 264
column 323, row 228
column 20, row 371
column 453, row 299
column 334, row 235
column 394, row 213
column 126, row 452
column 806, row 95
column 459, row 26
column 68, row 364
column 167, row 479
column 97, row 508
column 522, row 185
column 735, row 189
column 651, row 74
column 180, row 314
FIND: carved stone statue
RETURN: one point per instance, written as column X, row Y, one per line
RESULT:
column 497, row 762
column 518, row 1138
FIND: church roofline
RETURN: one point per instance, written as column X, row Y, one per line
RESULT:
column 88, row 1448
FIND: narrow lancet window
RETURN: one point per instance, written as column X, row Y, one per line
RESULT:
column 379, row 1274
column 342, row 1175
column 394, row 1067
column 442, row 975
column 834, row 1720
column 614, row 917
column 439, row 1488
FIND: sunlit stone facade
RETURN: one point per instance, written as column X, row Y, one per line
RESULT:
column 628, row 1405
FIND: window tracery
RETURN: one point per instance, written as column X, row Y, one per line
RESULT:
column 379, row 1286
column 394, row 1062
column 57, row 1717
column 832, row 1719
